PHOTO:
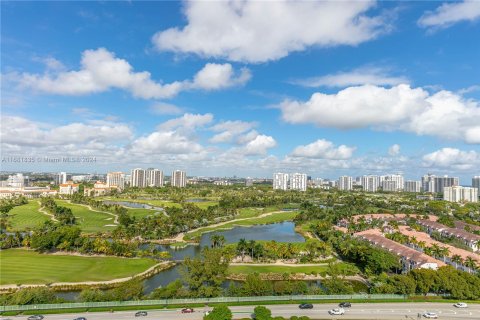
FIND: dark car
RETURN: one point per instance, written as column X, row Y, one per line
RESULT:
column 36, row 317
column 141, row 314
column 345, row 305
column 306, row 306
column 187, row 310
column 80, row 318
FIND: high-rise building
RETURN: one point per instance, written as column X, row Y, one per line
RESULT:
column 428, row 183
column 345, row 183
column 460, row 194
column 116, row 179
column 476, row 183
column 370, row 183
column 298, row 181
column 248, row 182
column 179, row 179
column 280, row 181
column 16, row 181
column 154, row 177
column 138, row 178
column 61, row 178
column 393, row 182
column 445, row 181
column 413, row 186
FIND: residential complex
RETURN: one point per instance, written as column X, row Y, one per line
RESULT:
column 178, row 179
column 370, row 183
column 460, row 194
column 138, row 178
column 116, row 179
column 476, row 183
column 154, row 177
column 412, row 186
column 68, row 188
column 294, row 181
column 280, row 181
column 345, row 183
column 298, row 181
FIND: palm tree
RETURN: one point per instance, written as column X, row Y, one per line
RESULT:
column 471, row 263
column 457, row 259
column 444, row 252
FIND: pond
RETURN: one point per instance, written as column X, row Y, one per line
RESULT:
column 196, row 200
column 281, row 232
column 134, row 205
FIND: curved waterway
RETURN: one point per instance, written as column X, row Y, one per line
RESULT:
column 280, row 232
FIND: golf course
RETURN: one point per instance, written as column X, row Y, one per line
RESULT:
column 21, row 266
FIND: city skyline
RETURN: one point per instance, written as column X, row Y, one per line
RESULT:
column 397, row 92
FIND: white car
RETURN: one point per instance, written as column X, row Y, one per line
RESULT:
column 430, row 315
column 460, row 305
column 336, row 311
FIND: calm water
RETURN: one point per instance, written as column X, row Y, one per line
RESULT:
column 134, row 205
column 281, row 232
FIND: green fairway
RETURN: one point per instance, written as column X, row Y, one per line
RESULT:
column 20, row 266
column 27, row 216
column 273, row 218
column 89, row 221
column 246, row 269
column 141, row 213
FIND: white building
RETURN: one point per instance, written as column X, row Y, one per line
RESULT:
column 27, row 192
column 280, row 181
column 178, row 179
column 298, row 181
column 445, row 181
column 345, row 183
column 116, row 179
column 154, row 177
column 61, row 178
column 248, row 182
column 413, row 186
column 68, row 188
column 392, row 182
column 460, row 194
column 16, row 181
column 370, row 183
column 138, row 178
column 428, row 183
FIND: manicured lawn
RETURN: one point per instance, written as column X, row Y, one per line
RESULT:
column 89, row 221
column 27, row 216
column 276, row 269
column 18, row 266
column 141, row 213
column 276, row 217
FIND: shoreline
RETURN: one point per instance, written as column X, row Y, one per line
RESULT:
column 104, row 284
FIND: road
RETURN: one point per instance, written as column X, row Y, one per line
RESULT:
column 370, row 311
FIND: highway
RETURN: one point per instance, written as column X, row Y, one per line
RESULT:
column 370, row 311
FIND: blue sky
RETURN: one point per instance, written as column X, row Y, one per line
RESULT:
column 245, row 88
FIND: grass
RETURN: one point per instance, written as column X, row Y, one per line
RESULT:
column 276, row 217
column 89, row 221
column 141, row 213
column 27, row 216
column 163, row 203
column 276, row 269
column 19, row 266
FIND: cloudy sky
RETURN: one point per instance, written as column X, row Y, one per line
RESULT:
column 243, row 88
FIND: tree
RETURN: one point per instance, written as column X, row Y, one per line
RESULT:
column 221, row 312
column 471, row 263
column 262, row 313
column 457, row 259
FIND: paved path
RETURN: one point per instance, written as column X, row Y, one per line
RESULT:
column 370, row 311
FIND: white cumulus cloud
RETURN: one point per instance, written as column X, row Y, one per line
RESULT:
column 101, row 71
column 450, row 13
column 443, row 114
column 259, row 145
column 259, row 31
column 229, row 130
column 453, row 158
column 324, row 149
